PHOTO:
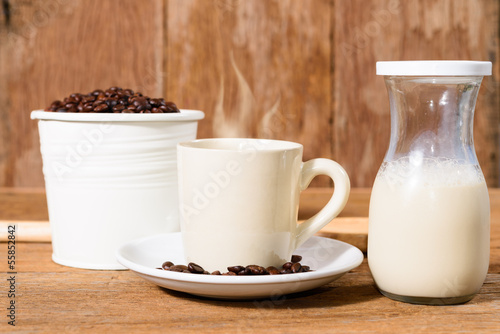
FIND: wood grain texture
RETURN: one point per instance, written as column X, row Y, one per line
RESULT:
column 367, row 32
column 257, row 68
column 294, row 70
column 353, row 230
column 55, row 298
column 32, row 205
column 28, row 203
column 52, row 48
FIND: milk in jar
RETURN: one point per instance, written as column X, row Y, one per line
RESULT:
column 429, row 232
column 429, row 217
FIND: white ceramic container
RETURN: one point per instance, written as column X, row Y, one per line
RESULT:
column 110, row 178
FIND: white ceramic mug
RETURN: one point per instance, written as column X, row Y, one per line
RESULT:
column 239, row 200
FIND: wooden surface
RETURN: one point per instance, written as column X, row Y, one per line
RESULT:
column 32, row 204
column 52, row 48
column 54, row 298
column 367, row 32
column 301, row 70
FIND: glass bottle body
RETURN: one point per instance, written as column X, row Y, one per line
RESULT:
column 429, row 209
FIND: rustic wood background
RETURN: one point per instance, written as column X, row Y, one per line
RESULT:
column 301, row 70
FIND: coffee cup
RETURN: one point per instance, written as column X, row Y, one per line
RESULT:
column 239, row 200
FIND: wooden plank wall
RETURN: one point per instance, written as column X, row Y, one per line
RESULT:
column 301, row 70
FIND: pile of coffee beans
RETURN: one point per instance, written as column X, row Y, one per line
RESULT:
column 290, row 267
column 112, row 100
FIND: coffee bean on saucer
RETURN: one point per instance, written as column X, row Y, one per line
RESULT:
column 257, row 270
column 166, row 265
column 272, row 270
column 250, row 270
column 179, row 268
column 296, row 267
column 285, row 271
column 195, row 268
column 235, row 269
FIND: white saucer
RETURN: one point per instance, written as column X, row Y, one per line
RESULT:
column 329, row 258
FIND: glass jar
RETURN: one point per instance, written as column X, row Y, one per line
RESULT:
column 429, row 218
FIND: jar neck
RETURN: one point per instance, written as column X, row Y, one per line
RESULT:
column 432, row 117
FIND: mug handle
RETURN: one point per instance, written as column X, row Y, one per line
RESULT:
column 313, row 168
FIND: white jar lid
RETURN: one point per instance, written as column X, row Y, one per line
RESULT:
column 434, row 68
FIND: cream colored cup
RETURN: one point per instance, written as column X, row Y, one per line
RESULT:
column 239, row 200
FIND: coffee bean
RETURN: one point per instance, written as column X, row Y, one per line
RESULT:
column 179, row 268
column 87, row 108
column 128, row 100
column 296, row 258
column 88, row 98
column 140, row 101
column 118, row 108
column 195, row 269
column 55, row 105
column 235, row 269
column 111, row 102
column 166, row 265
column 75, row 97
column 155, row 102
column 257, row 270
column 272, row 270
column 169, row 107
column 305, row 269
column 97, row 103
column 101, row 108
column 296, row 267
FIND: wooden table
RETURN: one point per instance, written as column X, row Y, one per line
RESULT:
column 50, row 297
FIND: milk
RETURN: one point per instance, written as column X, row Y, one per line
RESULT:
column 429, row 228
